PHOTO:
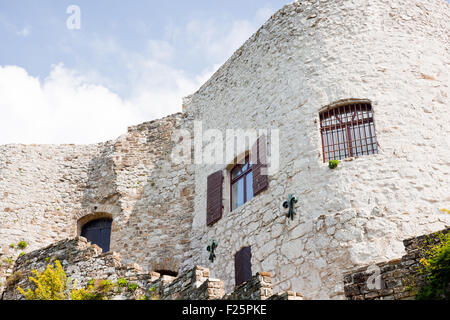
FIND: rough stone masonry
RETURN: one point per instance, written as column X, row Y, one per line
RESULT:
column 308, row 57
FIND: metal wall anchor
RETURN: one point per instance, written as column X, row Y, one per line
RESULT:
column 211, row 248
column 290, row 204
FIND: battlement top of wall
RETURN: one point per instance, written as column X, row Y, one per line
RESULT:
column 156, row 122
column 322, row 17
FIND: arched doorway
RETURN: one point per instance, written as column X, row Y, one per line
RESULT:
column 98, row 232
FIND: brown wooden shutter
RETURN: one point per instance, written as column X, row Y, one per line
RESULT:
column 259, row 160
column 243, row 265
column 214, row 198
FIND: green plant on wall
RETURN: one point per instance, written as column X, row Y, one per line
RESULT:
column 22, row 245
column 132, row 287
column 96, row 290
column 122, row 283
column 435, row 268
column 333, row 164
column 50, row 284
column 153, row 294
column 53, row 284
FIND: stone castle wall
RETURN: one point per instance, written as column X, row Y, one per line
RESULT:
column 309, row 55
column 48, row 192
column 84, row 262
column 155, row 197
column 42, row 189
column 397, row 279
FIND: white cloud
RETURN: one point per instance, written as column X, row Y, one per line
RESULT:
column 63, row 108
column 25, row 32
column 70, row 107
column 67, row 107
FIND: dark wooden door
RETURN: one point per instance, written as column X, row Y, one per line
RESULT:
column 98, row 232
column 243, row 265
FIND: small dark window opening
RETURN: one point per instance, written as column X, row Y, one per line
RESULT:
column 167, row 273
column 98, row 232
column 243, row 265
column 348, row 131
column 241, row 184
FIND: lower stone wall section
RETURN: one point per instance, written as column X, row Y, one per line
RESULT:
column 259, row 287
column 391, row 280
column 85, row 262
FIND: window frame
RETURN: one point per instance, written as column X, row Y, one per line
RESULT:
column 350, row 126
column 244, row 264
column 239, row 177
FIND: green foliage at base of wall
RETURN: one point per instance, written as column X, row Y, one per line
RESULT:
column 53, row 284
column 435, row 268
column 96, row 290
column 50, row 284
column 122, row 283
column 132, row 287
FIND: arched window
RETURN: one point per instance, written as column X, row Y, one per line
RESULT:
column 98, row 232
column 348, row 130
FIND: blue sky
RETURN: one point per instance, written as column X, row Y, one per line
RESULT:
column 130, row 62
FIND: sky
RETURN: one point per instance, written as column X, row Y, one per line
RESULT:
column 125, row 63
column 84, row 78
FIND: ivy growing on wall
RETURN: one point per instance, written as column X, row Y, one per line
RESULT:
column 435, row 268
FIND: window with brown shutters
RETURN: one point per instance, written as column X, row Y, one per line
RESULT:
column 214, row 207
column 241, row 184
column 243, row 265
column 348, row 131
column 259, row 160
column 250, row 178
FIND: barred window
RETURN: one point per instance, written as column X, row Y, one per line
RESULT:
column 348, row 131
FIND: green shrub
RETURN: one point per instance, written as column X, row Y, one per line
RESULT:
column 22, row 245
column 435, row 268
column 53, row 284
column 153, row 294
column 50, row 284
column 333, row 164
column 122, row 283
column 132, row 287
